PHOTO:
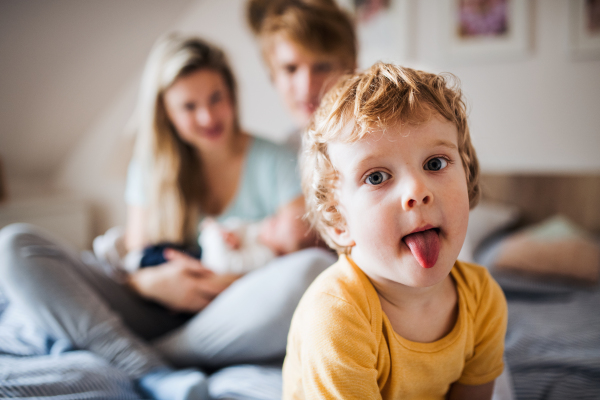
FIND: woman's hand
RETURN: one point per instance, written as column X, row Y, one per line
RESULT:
column 180, row 284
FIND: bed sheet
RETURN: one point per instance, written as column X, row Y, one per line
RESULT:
column 553, row 335
column 33, row 365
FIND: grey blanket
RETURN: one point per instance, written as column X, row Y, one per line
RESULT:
column 552, row 349
column 34, row 366
column 553, row 336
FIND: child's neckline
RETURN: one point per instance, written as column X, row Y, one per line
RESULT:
column 437, row 345
column 434, row 346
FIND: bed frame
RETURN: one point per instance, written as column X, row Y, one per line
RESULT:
column 539, row 196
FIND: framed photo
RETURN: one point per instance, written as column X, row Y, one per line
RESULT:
column 584, row 41
column 486, row 29
column 383, row 30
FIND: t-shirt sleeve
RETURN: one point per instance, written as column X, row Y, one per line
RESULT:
column 331, row 353
column 270, row 181
column 136, row 188
column 486, row 363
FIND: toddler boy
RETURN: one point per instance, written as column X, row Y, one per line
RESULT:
column 389, row 176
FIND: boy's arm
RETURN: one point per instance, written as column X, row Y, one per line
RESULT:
column 486, row 362
column 458, row 391
column 331, row 353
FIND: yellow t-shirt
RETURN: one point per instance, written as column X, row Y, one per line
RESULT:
column 342, row 346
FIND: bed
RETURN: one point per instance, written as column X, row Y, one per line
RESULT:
column 553, row 338
column 538, row 236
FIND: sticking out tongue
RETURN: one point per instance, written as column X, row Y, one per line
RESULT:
column 425, row 246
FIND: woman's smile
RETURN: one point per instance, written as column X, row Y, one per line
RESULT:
column 200, row 108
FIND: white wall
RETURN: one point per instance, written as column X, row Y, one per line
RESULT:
column 535, row 114
column 540, row 112
column 61, row 63
column 96, row 167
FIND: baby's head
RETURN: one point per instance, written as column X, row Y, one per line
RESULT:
column 391, row 141
column 285, row 233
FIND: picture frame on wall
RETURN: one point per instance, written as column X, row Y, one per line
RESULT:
column 486, row 30
column 383, row 30
column 584, row 40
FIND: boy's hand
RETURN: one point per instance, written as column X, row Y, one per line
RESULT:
column 181, row 284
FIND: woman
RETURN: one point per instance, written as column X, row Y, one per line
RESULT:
column 192, row 160
column 307, row 45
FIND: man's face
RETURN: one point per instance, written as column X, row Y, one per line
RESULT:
column 302, row 77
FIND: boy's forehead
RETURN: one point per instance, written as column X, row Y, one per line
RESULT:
column 345, row 153
column 353, row 132
column 351, row 145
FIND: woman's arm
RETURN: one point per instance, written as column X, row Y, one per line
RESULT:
column 180, row 284
column 135, row 227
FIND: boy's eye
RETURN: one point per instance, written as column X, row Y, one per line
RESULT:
column 436, row 164
column 377, row 178
column 189, row 106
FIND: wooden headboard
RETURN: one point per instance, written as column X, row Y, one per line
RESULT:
column 576, row 196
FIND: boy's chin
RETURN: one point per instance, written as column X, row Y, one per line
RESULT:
column 420, row 277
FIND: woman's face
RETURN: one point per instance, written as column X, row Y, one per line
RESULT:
column 302, row 77
column 199, row 106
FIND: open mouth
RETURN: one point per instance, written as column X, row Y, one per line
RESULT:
column 424, row 246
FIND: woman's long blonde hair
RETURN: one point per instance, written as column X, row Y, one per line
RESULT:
column 176, row 189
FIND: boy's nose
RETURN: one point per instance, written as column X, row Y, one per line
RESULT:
column 417, row 194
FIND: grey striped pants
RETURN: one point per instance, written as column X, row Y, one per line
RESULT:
column 71, row 297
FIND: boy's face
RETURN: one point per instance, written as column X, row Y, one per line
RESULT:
column 403, row 195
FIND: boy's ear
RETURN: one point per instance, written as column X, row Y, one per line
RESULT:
column 341, row 236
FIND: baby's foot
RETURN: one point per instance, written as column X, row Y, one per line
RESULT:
column 168, row 384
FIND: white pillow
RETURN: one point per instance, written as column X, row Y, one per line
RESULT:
column 484, row 220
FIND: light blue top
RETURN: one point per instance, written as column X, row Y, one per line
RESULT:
column 270, row 180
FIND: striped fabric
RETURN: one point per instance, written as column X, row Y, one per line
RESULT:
column 73, row 375
column 552, row 348
column 33, row 366
column 553, row 343
column 553, row 335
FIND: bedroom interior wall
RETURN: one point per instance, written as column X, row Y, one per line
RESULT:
column 535, row 114
column 96, row 169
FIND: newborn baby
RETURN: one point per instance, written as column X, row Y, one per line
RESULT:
column 237, row 246
column 231, row 246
